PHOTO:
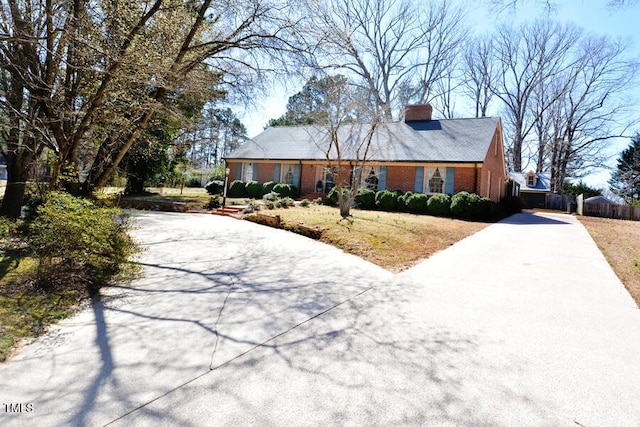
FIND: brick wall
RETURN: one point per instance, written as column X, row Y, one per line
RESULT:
column 401, row 178
column 464, row 179
column 308, row 178
column 492, row 181
column 265, row 172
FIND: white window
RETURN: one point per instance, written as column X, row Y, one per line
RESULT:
column 531, row 180
column 371, row 177
column 286, row 173
column 435, row 182
column 247, row 172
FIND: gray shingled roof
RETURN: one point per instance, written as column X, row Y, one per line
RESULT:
column 452, row 140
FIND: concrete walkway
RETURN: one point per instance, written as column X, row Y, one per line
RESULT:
column 237, row 324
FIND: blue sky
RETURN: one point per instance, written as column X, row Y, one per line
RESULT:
column 592, row 15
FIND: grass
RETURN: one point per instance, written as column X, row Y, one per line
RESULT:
column 25, row 312
column 395, row 241
column 619, row 241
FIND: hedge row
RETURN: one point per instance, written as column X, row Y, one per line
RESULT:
column 462, row 205
column 251, row 189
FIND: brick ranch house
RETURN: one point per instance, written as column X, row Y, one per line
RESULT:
column 418, row 154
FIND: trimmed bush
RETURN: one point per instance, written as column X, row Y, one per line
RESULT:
column 439, row 204
column 305, row 203
column 254, row 189
column 284, row 190
column 267, row 187
column 465, row 205
column 416, row 203
column 76, row 241
column 237, row 189
column 332, row 197
column 366, row 199
column 387, row 200
column 403, row 200
column 214, row 187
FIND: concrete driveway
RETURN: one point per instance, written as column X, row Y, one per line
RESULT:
column 237, row 324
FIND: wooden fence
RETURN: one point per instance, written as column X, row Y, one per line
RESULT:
column 559, row 202
column 608, row 210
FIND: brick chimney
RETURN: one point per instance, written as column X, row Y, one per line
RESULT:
column 417, row 113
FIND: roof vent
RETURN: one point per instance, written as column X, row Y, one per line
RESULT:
column 418, row 113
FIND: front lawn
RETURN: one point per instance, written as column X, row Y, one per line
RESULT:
column 395, row 241
column 619, row 241
column 26, row 311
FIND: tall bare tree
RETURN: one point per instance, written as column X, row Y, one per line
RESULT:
column 480, row 73
column 593, row 108
column 394, row 49
column 527, row 56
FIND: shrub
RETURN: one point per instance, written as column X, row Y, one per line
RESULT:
column 254, row 189
column 74, row 239
column 271, row 197
column 267, row 187
column 403, row 200
column 214, row 187
column 366, row 199
column 486, row 208
column 214, row 202
column 466, row 205
column 439, row 204
column 332, row 197
column 417, row 203
column 284, row 190
column 252, row 207
column 270, row 204
column 387, row 200
column 305, row 203
column 237, row 189
column 317, row 201
column 285, row 202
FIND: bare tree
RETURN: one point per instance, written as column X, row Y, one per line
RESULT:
column 592, row 109
column 526, row 57
column 480, row 71
column 394, row 49
column 345, row 143
column 551, row 5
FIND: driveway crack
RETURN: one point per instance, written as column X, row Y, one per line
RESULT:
column 232, row 288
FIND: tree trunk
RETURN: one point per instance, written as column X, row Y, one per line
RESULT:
column 14, row 193
column 13, row 199
column 345, row 209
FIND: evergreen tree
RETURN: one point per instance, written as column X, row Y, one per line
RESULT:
column 314, row 104
column 625, row 180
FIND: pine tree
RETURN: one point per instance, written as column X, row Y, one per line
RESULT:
column 625, row 180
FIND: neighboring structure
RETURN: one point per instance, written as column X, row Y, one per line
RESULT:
column 599, row 200
column 534, row 188
column 419, row 154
